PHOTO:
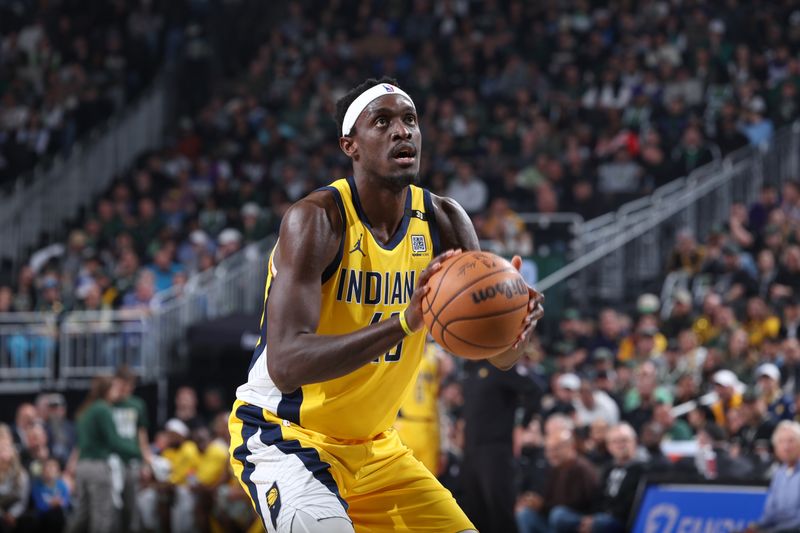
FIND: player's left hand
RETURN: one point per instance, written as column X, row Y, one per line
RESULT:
column 507, row 359
column 535, row 308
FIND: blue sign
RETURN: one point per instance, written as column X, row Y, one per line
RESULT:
column 699, row 508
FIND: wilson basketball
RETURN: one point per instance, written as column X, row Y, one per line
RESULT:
column 476, row 305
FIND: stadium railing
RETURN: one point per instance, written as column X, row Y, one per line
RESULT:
column 41, row 202
column 28, row 344
column 623, row 254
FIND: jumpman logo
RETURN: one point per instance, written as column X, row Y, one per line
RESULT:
column 358, row 246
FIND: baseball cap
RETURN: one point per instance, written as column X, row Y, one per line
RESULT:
column 648, row 303
column 769, row 370
column 198, row 237
column 251, row 209
column 569, row 381
column 602, row 354
column 726, row 378
column 757, row 105
column 177, row 426
column 229, row 236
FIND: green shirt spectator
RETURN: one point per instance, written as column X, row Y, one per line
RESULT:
column 98, row 437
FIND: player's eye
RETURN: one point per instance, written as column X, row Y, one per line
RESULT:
column 381, row 122
column 411, row 119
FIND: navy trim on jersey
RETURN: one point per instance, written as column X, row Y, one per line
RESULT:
column 262, row 340
column 400, row 234
column 331, row 269
column 433, row 226
column 243, row 413
column 289, row 406
column 271, row 435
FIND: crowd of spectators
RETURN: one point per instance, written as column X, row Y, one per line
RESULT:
column 109, row 469
column 524, row 107
column 66, row 66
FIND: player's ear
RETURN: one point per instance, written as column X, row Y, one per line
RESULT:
column 348, row 145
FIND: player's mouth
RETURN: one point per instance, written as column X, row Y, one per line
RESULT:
column 404, row 154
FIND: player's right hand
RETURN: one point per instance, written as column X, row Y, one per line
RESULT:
column 414, row 310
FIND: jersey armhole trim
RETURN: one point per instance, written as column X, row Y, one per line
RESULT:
column 330, row 270
column 433, row 227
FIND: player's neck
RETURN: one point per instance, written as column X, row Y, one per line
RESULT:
column 383, row 206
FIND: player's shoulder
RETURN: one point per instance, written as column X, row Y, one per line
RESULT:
column 454, row 223
column 318, row 211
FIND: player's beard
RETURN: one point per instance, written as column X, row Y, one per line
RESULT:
column 399, row 182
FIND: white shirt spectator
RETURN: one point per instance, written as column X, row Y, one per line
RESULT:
column 604, row 408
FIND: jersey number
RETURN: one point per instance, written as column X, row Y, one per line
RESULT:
column 393, row 355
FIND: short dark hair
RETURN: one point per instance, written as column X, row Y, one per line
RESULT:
column 344, row 102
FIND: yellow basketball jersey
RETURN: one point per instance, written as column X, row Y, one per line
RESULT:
column 367, row 282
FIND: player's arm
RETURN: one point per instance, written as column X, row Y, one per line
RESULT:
column 457, row 232
column 310, row 236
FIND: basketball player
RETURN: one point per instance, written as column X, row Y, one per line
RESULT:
column 342, row 335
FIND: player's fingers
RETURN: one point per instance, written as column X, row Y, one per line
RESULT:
column 536, row 295
column 436, row 264
column 517, row 262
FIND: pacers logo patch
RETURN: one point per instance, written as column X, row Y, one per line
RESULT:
column 418, row 244
column 274, row 503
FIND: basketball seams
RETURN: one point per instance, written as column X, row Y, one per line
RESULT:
column 467, row 287
column 441, row 275
column 491, row 315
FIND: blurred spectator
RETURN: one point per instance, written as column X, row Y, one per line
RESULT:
column 184, row 459
column 781, row 510
column 131, row 423
column 691, row 152
column 619, row 483
column 727, row 386
column 756, row 127
column 468, row 190
column 779, row 406
column 592, row 405
column 14, row 487
column 60, row 430
column 186, row 407
column 51, row 499
column 229, row 242
column 790, row 324
column 714, row 458
column 26, row 417
column 98, row 481
column 572, row 482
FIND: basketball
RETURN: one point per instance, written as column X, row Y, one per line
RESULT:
column 476, row 305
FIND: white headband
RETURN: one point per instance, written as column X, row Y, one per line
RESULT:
column 364, row 100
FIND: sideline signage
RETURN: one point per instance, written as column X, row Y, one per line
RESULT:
column 698, row 508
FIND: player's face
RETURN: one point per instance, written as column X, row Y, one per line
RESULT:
column 387, row 141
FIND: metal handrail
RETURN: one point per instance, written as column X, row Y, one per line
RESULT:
column 744, row 168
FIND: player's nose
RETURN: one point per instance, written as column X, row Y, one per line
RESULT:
column 400, row 131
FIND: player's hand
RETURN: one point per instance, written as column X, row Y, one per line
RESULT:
column 535, row 308
column 414, row 310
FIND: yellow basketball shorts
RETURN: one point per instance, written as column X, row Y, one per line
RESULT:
column 423, row 439
column 378, row 485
